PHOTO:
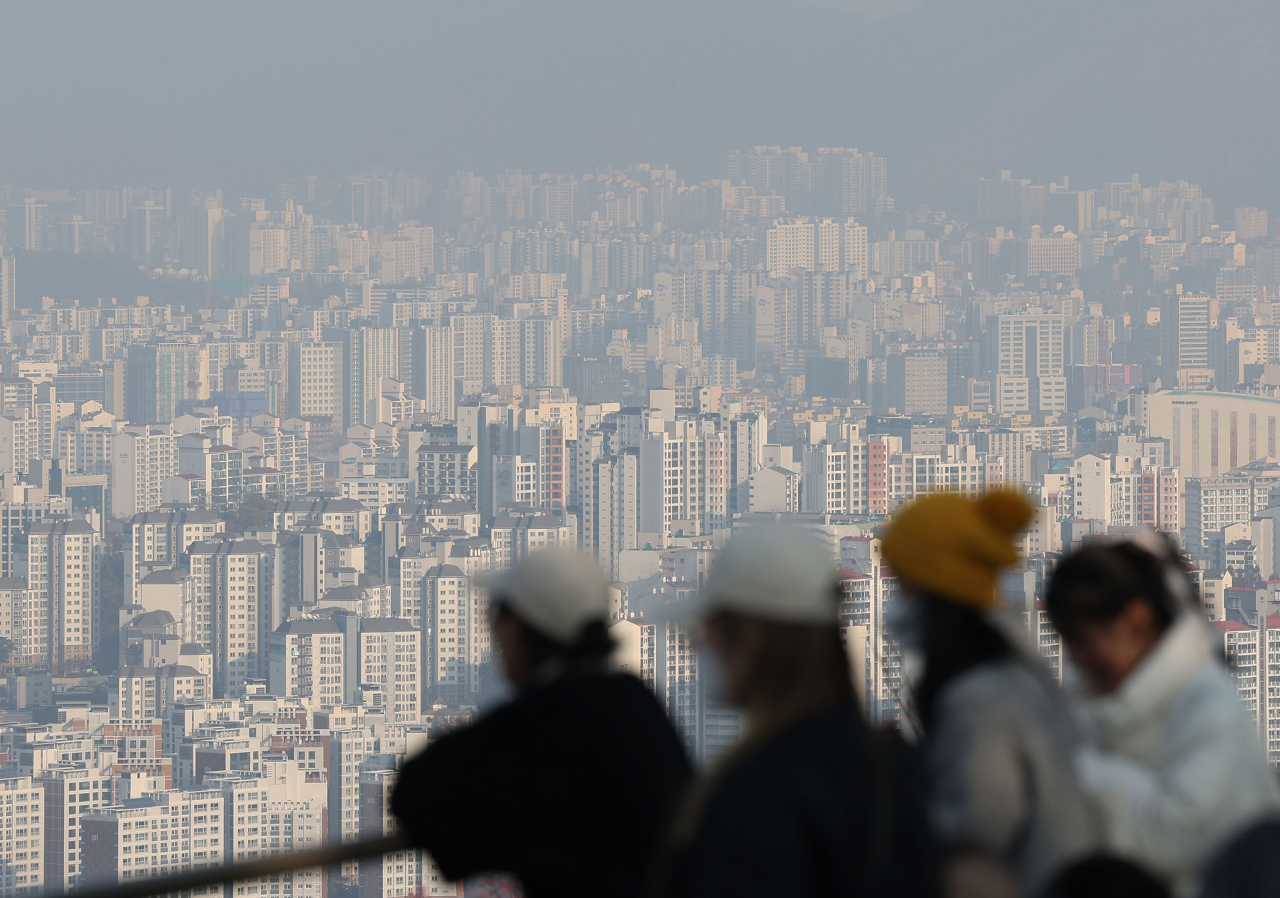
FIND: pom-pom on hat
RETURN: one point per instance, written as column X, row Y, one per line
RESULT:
column 954, row 547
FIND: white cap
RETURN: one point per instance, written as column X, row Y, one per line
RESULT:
column 775, row 572
column 556, row 592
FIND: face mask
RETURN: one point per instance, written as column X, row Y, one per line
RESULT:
column 711, row 677
column 904, row 621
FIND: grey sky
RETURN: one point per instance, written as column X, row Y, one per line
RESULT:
column 238, row 93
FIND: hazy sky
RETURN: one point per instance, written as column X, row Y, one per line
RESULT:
column 239, row 93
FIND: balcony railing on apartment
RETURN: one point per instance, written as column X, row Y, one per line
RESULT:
column 178, row 883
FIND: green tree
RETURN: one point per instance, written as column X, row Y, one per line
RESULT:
column 253, row 513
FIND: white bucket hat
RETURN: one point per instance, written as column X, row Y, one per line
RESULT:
column 557, row 592
column 774, row 572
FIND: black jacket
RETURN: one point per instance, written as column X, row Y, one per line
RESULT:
column 570, row 787
column 821, row 809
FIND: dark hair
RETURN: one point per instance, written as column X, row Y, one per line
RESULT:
column 956, row 638
column 592, row 645
column 1097, row 582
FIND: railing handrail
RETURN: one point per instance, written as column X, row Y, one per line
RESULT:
column 227, row 873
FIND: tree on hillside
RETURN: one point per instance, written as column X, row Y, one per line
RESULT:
column 253, row 513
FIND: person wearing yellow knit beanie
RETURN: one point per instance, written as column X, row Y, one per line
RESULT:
column 998, row 738
column 954, row 546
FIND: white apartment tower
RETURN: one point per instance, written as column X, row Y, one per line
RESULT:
column 316, row 377
column 390, row 660
column 306, row 661
column 451, row 669
column 62, row 580
column 142, row 457
column 161, row 834
column 22, row 858
column 233, row 613
column 160, row 538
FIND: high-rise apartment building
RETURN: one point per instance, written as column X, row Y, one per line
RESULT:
column 861, row 181
column 684, row 479
column 868, row 587
column 158, row 376
column 74, row 791
column 24, row 225
column 316, row 380
column 1028, row 351
column 368, row 355
column 8, row 288
column 234, row 609
column 790, row 245
column 19, row 444
column 305, row 661
column 399, row 873
column 62, row 559
column 454, row 645
column 143, row 456
column 1251, row 223
column 157, row 835
column 917, row 383
column 147, row 234
column 1193, row 331
column 22, row 855
column 390, row 662
column 427, row 366
column 276, row 813
column 160, row 538
column 22, row 505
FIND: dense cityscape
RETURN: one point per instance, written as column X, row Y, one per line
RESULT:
column 247, row 518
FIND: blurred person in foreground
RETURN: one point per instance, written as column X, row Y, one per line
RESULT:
column 569, row 786
column 810, row 802
column 998, row 741
column 1172, row 761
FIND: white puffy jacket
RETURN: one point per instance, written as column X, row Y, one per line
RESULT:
column 1174, row 766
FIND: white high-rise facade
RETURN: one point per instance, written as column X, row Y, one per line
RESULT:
column 62, row 561
column 305, row 661
column 390, row 661
column 143, row 456
column 22, row 857
column 232, row 580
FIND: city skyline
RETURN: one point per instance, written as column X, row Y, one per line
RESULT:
column 316, row 319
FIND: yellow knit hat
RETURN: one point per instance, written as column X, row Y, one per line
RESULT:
column 954, row 547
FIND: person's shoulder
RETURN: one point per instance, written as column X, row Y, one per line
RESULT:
column 993, row 679
column 812, row 768
column 1209, row 701
column 831, row 739
column 603, row 690
column 1008, row 685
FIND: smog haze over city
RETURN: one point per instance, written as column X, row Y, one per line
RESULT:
column 324, row 326
column 235, row 94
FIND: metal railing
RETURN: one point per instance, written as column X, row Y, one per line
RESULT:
column 229, row 873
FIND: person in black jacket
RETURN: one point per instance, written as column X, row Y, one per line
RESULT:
column 570, row 786
column 811, row 802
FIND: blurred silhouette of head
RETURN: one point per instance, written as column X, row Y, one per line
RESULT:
column 1112, row 603
column 551, row 606
column 770, row 612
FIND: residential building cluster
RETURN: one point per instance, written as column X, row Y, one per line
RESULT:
column 246, row 521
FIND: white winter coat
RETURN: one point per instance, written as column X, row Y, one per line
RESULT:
column 1174, row 765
